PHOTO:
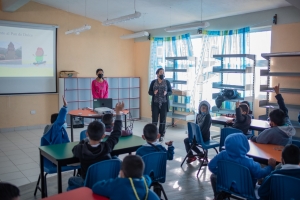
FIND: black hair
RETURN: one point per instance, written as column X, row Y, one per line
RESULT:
column 291, row 154
column 8, row 191
column 108, row 119
column 244, row 108
column 150, row 132
column 99, row 69
column 133, row 166
column 157, row 71
column 53, row 117
column 248, row 104
column 95, row 130
column 277, row 116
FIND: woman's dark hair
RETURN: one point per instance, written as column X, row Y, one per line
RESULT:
column 99, row 70
column 157, row 71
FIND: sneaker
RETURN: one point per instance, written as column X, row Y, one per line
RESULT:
column 191, row 159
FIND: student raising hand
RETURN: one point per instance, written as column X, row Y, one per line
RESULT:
column 277, row 88
column 65, row 101
column 119, row 107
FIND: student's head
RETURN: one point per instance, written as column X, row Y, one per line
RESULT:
column 96, row 130
column 108, row 119
column 150, row 133
column 132, row 167
column 244, row 109
column 290, row 155
column 248, row 104
column 276, row 117
column 9, row 191
column 53, row 117
column 160, row 73
column 204, row 107
column 99, row 73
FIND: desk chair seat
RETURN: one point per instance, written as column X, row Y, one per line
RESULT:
column 156, row 170
column 196, row 139
column 82, row 135
column 296, row 142
column 284, row 187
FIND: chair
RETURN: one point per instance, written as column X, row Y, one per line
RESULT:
column 252, row 131
column 82, row 135
column 102, row 170
column 235, row 179
column 196, row 139
column 296, row 142
column 284, row 187
column 224, row 133
column 156, row 170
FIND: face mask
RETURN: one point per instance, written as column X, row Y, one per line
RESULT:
column 161, row 76
column 100, row 75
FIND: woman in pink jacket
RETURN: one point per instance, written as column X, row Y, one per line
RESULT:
column 100, row 86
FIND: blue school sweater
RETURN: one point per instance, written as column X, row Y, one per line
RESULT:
column 147, row 148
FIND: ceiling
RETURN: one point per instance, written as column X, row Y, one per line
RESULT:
column 161, row 13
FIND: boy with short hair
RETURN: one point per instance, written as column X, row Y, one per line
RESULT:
column 131, row 183
column 108, row 120
column 9, row 192
column 150, row 134
column 242, row 119
column 236, row 148
column 203, row 119
column 281, row 130
column 290, row 159
column 93, row 150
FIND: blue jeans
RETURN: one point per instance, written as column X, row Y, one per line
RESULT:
column 75, row 182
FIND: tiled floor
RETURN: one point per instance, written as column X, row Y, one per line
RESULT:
column 19, row 160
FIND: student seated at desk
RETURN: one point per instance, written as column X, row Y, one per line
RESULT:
column 108, row 120
column 93, row 150
column 281, row 130
column 243, row 119
column 236, row 148
column 9, row 192
column 131, row 184
column 290, row 159
column 151, row 135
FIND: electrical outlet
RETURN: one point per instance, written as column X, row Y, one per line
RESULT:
column 32, row 112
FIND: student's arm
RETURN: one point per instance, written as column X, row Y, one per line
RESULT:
column 151, row 91
column 77, row 150
column 169, row 88
column 280, row 102
column 61, row 118
column 238, row 115
column 205, row 126
column 258, row 172
column 264, row 137
column 213, row 163
column 114, row 136
column 170, row 152
column 106, row 90
column 104, row 188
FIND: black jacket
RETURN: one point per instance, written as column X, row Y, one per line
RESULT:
column 169, row 92
column 89, row 155
column 241, row 121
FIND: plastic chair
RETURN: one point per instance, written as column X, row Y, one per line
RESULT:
column 196, row 139
column 224, row 133
column 156, row 170
column 284, row 187
column 252, row 131
column 296, row 142
column 233, row 178
column 102, row 170
column 82, row 135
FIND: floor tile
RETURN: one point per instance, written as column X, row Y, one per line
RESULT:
column 6, row 163
column 11, row 176
column 31, row 172
column 33, row 178
column 21, row 161
column 13, row 152
column 7, row 169
column 18, row 157
column 19, row 182
column 29, row 165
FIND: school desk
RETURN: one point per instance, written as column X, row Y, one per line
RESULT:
column 61, row 155
column 90, row 114
column 257, row 125
column 77, row 194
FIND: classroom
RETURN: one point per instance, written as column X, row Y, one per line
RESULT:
column 235, row 51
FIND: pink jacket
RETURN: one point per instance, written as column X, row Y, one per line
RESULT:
column 100, row 89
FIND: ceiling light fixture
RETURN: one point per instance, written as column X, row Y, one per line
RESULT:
column 121, row 19
column 185, row 27
column 77, row 31
column 135, row 35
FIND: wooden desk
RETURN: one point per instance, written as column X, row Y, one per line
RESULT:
column 77, row 194
column 258, row 125
column 61, row 155
column 89, row 114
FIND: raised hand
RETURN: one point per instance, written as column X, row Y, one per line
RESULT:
column 237, row 104
column 170, row 143
column 277, row 88
column 119, row 107
column 65, row 101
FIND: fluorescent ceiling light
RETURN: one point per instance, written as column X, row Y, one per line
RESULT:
column 185, row 27
column 77, row 31
column 135, row 35
column 121, row 19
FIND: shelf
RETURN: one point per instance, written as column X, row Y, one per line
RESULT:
column 180, row 58
column 267, row 56
column 267, row 73
column 177, row 81
column 180, row 105
column 221, row 56
column 214, row 109
column 265, row 104
column 265, row 88
column 187, row 117
column 218, row 85
column 222, row 70
column 171, row 69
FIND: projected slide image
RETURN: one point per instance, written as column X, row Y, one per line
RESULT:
column 10, row 53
